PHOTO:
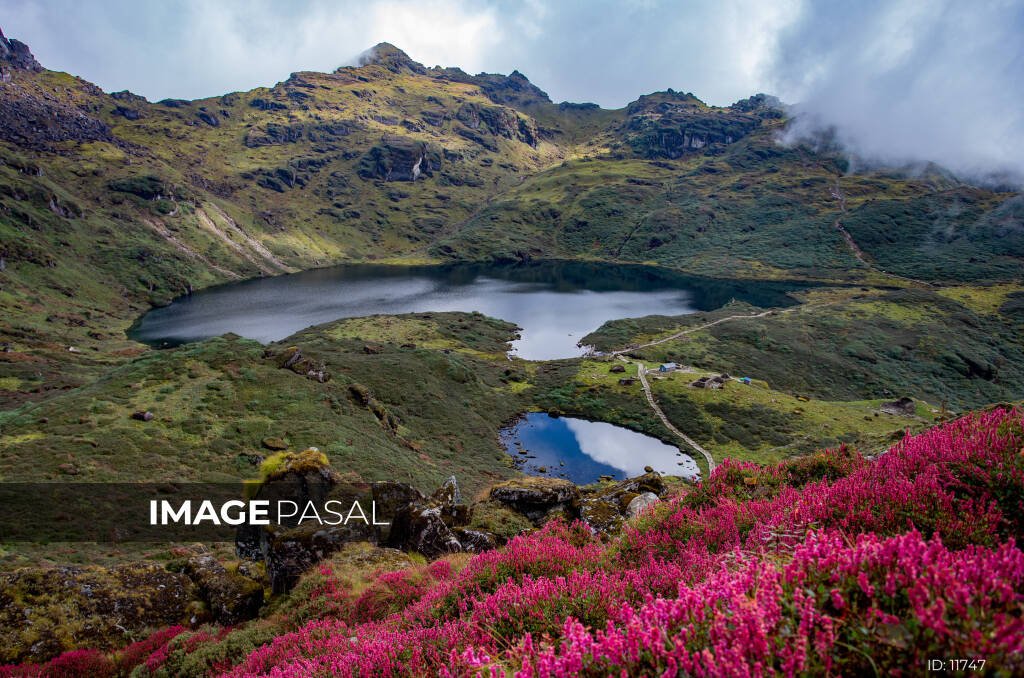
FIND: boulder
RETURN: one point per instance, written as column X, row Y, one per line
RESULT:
column 448, row 493
column 902, row 406
column 617, row 369
column 391, row 497
column 254, row 570
column 288, row 552
column 537, row 497
column 426, row 525
column 499, row 520
column 422, row 528
column 602, row 514
column 301, row 477
column 231, row 597
column 648, row 482
column 292, row 359
column 476, row 541
column 606, row 507
column 640, row 502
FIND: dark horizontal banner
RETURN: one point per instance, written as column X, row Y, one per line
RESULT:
column 162, row 512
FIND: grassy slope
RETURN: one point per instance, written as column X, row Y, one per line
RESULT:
column 956, row 346
column 276, row 185
column 215, row 401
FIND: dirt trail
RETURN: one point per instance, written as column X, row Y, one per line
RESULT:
column 642, row 373
column 696, row 329
column 837, row 193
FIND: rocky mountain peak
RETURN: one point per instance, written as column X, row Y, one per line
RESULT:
column 17, row 54
column 390, row 57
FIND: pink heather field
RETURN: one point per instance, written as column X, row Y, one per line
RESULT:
column 828, row 565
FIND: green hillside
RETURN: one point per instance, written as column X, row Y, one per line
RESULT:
column 110, row 204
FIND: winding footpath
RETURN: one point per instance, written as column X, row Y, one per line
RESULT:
column 855, row 249
column 692, row 330
column 642, row 373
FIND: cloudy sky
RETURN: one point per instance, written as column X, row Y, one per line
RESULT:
column 902, row 80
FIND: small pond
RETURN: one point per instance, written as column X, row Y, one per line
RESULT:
column 555, row 302
column 583, row 451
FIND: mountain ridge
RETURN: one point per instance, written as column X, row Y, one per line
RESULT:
column 110, row 203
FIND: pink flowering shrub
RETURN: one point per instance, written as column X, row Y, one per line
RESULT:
column 140, row 651
column 834, row 608
column 73, row 664
column 825, row 565
column 394, row 591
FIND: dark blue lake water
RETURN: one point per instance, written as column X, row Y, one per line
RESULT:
column 582, row 451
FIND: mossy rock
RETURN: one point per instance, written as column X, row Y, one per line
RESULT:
column 279, row 465
column 498, row 519
column 291, row 551
column 537, row 497
column 232, row 598
column 44, row 613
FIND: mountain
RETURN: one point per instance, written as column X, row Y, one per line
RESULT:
column 110, row 203
column 909, row 306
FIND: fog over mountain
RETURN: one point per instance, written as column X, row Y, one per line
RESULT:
column 902, row 81
column 905, row 82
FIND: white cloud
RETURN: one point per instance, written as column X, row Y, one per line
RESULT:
column 903, row 80
column 908, row 81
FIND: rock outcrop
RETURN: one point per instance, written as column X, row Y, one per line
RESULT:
column 292, row 359
column 230, row 596
column 386, row 55
column 44, row 612
column 672, row 124
column 538, row 498
column 499, row 121
column 398, row 158
column 432, row 526
column 513, row 89
column 901, row 406
column 38, row 122
column 289, row 548
column 605, row 507
column 17, row 54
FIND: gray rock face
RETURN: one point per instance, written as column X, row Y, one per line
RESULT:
column 640, row 502
column 399, row 158
column 536, row 497
column 17, row 54
column 499, row 121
